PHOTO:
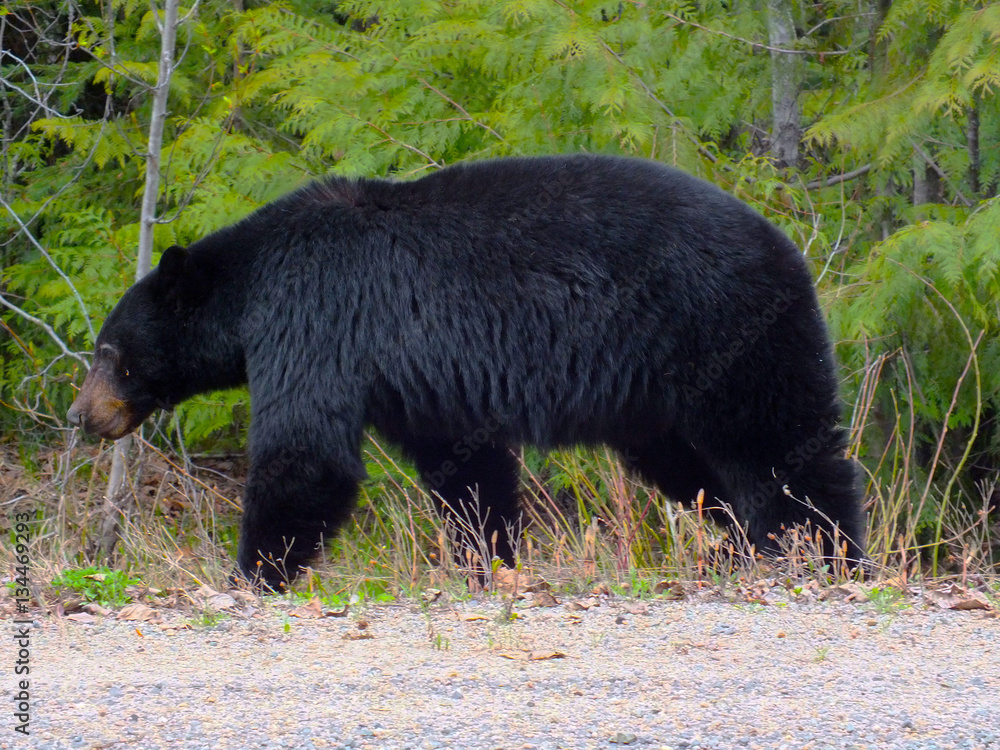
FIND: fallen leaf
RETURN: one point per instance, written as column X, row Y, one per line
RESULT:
column 976, row 600
column 312, row 610
column 543, row 599
column 83, row 617
column 138, row 612
column 959, row 599
column 852, row 592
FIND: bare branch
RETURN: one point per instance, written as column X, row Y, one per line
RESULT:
column 38, row 246
column 838, row 178
column 758, row 45
column 649, row 92
column 38, row 99
column 462, row 109
column 45, row 327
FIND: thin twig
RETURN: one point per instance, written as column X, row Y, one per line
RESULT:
column 55, row 266
column 649, row 92
column 462, row 109
column 758, row 45
column 838, row 178
column 45, row 327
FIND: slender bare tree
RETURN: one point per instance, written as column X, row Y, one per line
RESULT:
column 117, row 495
column 786, row 130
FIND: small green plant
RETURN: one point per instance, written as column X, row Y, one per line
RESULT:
column 887, row 601
column 640, row 585
column 507, row 614
column 209, row 618
column 821, row 653
column 367, row 591
column 97, row 584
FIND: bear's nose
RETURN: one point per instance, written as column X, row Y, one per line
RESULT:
column 74, row 416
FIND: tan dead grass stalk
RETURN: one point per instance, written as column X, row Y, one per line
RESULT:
column 181, row 528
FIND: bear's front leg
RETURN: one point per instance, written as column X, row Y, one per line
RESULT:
column 295, row 499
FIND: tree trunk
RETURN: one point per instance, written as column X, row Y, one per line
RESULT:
column 168, row 31
column 786, row 127
column 926, row 182
column 118, row 496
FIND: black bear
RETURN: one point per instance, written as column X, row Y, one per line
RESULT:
column 551, row 301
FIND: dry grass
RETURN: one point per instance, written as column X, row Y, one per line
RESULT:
column 179, row 523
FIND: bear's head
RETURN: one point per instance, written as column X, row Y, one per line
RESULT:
column 139, row 353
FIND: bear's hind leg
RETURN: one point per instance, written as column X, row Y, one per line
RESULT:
column 476, row 490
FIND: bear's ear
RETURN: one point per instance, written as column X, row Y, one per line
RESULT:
column 178, row 280
column 172, row 262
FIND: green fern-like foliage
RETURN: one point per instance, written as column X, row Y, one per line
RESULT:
column 929, row 299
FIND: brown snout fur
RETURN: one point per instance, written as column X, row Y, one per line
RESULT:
column 100, row 410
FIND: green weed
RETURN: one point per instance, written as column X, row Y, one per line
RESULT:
column 97, row 584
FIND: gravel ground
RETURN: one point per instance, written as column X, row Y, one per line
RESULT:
column 658, row 675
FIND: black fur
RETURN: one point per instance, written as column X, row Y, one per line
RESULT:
column 550, row 301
